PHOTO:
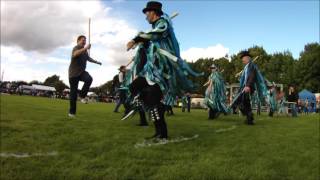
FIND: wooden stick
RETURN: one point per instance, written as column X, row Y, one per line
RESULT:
column 130, row 61
column 89, row 35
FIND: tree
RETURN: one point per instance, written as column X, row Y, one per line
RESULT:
column 280, row 68
column 15, row 84
column 103, row 90
column 307, row 68
column 50, row 81
column 201, row 65
column 60, row 86
column 54, row 81
column 227, row 68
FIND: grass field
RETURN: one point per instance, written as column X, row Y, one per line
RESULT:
column 97, row 145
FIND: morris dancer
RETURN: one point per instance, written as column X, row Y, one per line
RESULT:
column 250, row 80
column 157, row 68
column 272, row 100
column 215, row 97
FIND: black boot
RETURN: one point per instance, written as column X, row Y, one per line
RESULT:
column 250, row 118
column 143, row 121
column 133, row 107
column 157, row 131
column 162, row 122
column 163, row 129
column 157, row 115
column 216, row 114
column 155, row 120
column 171, row 111
column 211, row 114
column 271, row 113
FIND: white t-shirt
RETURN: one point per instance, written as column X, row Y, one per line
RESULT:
column 120, row 77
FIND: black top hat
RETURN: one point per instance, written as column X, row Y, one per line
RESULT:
column 153, row 6
column 213, row 66
column 121, row 67
column 244, row 53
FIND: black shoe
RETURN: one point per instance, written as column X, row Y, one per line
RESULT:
column 154, row 136
column 142, row 124
column 160, row 140
column 217, row 115
column 250, row 119
column 163, row 137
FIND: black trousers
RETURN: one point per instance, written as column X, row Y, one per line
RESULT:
column 169, row 110
column 122, row 99
column 234, row 110
column 258, row 109
column 143, row 120
column 213, row 113
column 245, row 106
column 74, row 82
column 271, row 112
column 151, row 97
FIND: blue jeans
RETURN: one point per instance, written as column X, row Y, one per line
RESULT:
column 293, row 110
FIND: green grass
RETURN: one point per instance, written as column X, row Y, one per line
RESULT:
column 97, row 145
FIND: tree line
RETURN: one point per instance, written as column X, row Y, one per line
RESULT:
column 279, row 67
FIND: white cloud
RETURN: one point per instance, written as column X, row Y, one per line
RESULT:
column 17, row 55
column 19, row 65
column 45, row 25
column 216, row 51
column 37, row 38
